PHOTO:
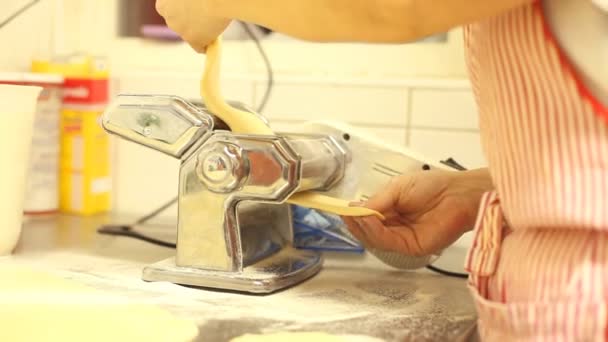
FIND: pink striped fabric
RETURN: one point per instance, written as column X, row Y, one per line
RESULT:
column 539, row 261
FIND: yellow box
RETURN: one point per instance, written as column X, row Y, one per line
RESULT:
column 84, row 181
column 84, row 165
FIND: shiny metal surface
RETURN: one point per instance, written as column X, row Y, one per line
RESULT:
column 372, row 165
column 210, row 229
column 168, row 124
column 323, row 158
column 279, row 270
column 232, row 222
column 222, row 167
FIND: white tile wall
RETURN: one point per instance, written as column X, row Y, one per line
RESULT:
column 357, row 105
column 182, row 84
column 27, row 37
column 395, row 136
column 440, row 144
column 143, row 179
column 441, row 108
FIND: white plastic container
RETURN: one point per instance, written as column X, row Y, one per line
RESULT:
column 17, row 109
column 42, row 184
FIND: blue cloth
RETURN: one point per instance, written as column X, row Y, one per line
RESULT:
column 320, row 231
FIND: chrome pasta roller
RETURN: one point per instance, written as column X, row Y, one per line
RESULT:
column 234, row 229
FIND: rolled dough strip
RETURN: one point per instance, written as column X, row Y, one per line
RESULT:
column 238, row 120
column 36, row 306
column 332, row 205
column 245, row 123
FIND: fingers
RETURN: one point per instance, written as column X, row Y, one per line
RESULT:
column 161, row 7
column 384, row 200
column 198, row 47
column 399, row 238
column 376, row 234
column 355, row 229
column 387, row 198
column 193, row 21
column 196, row 38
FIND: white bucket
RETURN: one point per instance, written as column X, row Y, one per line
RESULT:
column 17, row 110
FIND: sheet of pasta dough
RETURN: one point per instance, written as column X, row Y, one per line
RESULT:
column 36, row 306
column 242, row 122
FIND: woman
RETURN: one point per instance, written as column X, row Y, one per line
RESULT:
column 539, row 261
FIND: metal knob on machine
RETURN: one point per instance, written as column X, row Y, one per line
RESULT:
column 222, row 167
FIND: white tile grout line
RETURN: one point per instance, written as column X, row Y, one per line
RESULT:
column 410, row 82
column 278, row 119
column 409, row 116
column 444, row 129
column 254, row 97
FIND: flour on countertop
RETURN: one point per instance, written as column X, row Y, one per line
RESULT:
column 391, row 305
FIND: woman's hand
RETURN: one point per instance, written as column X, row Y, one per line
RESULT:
column 425, row 211
column 193, row 21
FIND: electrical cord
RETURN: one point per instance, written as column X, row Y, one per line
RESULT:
column 457, row 166
column 17, row 13
column 446, row 272
column 156, row 212
column 127, row 231
column 269, row 71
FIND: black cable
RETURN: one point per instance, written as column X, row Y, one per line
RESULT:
column 156, row 212
column 18, row 13
column 447, row 273
column 127, row 231
column 269, row 71
column 453, row 164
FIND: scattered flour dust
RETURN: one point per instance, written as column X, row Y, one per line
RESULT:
column 346, row 303
column 307, row 302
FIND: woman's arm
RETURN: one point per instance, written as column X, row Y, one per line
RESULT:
column 374, row 21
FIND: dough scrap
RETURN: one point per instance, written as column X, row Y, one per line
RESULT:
column 36, row 306
column 245, row 123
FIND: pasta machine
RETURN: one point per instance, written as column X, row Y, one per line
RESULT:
column 234, row 229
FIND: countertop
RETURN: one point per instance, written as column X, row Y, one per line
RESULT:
column 352, row 295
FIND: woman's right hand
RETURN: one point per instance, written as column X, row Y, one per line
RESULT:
column 194, row 20
column 425, row 211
